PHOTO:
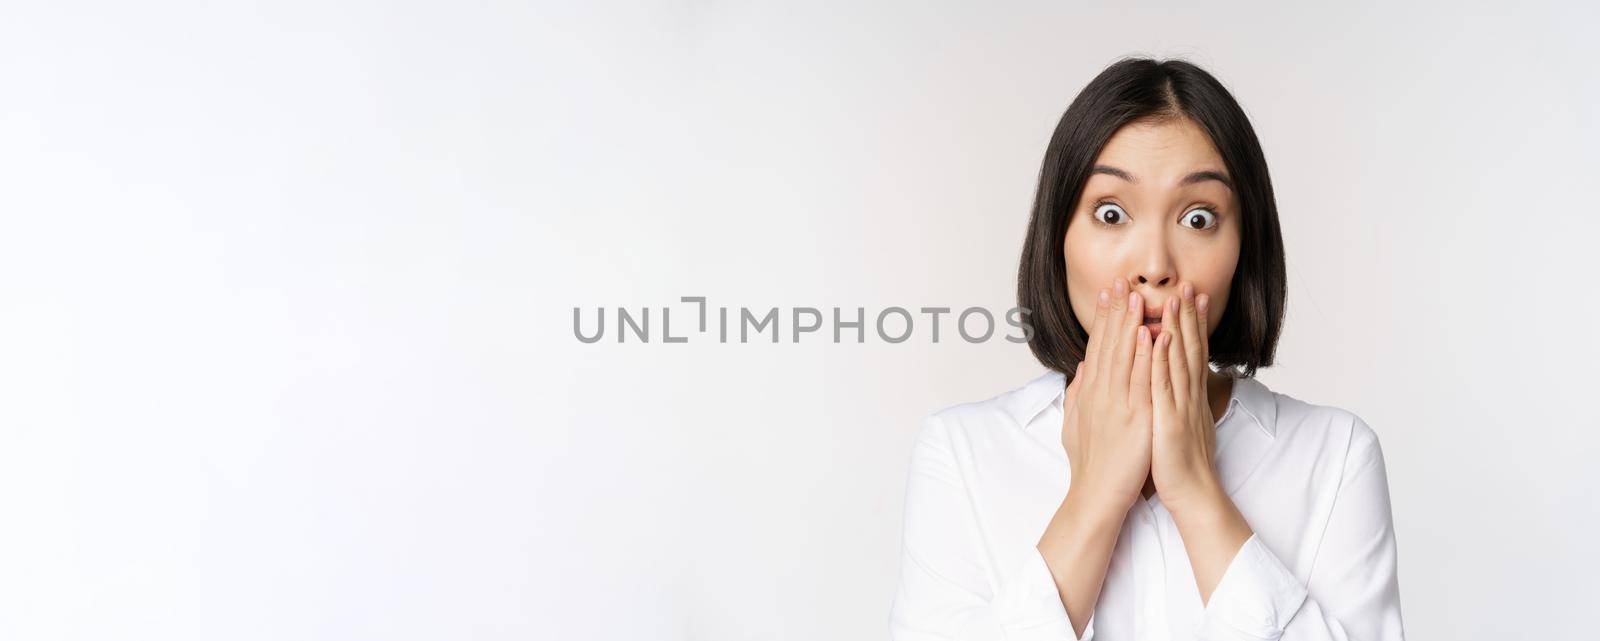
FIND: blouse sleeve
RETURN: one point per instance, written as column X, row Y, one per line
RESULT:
column 1352, row 593
column 949, row 588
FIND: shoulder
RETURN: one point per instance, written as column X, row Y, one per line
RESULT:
column 1335, row 427
column 1002, row 414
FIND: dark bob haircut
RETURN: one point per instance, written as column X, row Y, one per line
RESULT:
column 1141, row 89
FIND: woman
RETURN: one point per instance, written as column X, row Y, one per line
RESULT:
column 1132, row 492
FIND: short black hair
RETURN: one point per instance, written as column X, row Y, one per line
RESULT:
column 1142, row 89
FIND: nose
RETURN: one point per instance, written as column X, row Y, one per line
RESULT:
column 1153, row 265
column 1154, row 269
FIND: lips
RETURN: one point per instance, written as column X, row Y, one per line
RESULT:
column 1154, row 327
column 1152, row 321
column 1154, row 313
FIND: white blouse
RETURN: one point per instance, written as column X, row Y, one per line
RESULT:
column 986, row 477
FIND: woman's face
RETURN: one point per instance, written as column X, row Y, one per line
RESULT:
column 1158, row 211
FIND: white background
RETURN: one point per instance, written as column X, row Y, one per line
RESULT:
column 286, row 299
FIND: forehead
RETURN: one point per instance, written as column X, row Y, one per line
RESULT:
column 1162, row 150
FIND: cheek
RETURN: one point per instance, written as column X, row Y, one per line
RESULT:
column 1214, row 311
column 1218, row 290
column 1213, row 274
column 1081, row 296
column 1220, row 298
column 1086, row 257
column 1084, row 277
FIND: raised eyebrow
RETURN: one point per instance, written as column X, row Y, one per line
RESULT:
column 1202, row 176
column 1113, row 171
column 1196, row 177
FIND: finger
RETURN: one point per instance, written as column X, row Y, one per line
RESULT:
column 1192, row 340
column 1139, row 385
column 1202, row 306
column 1177, row 366
column 1128, row 335
column 1161, row 379
column 1102, row 306
column 1115, row 318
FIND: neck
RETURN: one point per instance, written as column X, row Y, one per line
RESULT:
column 1219, row 388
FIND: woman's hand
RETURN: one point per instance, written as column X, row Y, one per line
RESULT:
column 1107, row 411
column 1184, row 443
column 1184, row 439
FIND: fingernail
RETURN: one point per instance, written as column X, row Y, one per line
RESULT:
column 1188, row 291
column 1133, row 301
column 1104, row 298
column 1121, row 286
column 1204, row 300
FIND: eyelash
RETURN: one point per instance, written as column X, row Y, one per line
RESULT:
column 1100, row 223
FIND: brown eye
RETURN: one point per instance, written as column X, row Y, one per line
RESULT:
column 1199, row 219
column 1110, row 214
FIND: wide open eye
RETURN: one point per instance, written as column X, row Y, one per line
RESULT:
column 1110, row 214
column 1199, row 219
